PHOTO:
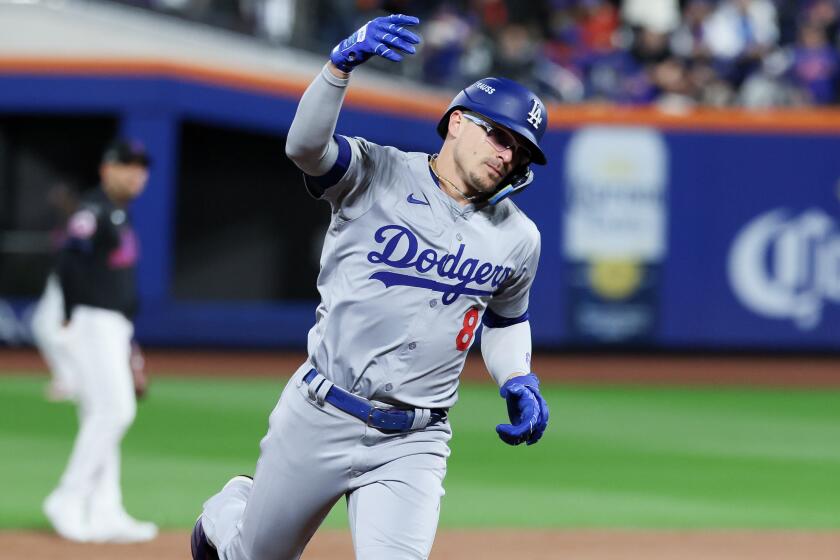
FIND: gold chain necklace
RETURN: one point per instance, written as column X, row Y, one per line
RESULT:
column 433, row 167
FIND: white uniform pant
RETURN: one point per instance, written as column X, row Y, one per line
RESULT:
column 311, row 457
column 101, row 342
column 52, row 338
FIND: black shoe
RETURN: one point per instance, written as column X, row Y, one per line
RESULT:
column 200, row 546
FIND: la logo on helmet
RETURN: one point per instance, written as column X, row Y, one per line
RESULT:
column 535, row 116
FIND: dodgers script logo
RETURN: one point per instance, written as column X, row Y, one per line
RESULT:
column 401, row 251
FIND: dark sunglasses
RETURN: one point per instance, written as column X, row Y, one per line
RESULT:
column 500, row 138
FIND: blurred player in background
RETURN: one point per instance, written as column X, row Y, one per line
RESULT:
column 48, row 317
column 420, row 249
column 96, row 271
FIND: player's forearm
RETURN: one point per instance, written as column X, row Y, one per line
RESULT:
column 507, row 351
column 310, row 143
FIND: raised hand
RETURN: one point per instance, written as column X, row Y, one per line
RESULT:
column 383, row 36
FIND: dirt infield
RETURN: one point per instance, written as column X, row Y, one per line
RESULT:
column 804, row 371
column 495, row 545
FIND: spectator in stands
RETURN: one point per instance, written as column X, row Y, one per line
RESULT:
column 559, row 71
column 740, row 33
column 598, row 24
column 815, row 66
column 719, row 52
column 476, row 58
column 689, row 41
column 273, row 19
column 742, row 28
column 492, row 14
column 515, row 54
column 825, row 14
column 446, row 36
column 661, row 16
column 707, row 86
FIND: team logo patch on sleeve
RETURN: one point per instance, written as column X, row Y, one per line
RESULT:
column 82, row 225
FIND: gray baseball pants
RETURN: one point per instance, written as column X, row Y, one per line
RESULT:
column 313, row 455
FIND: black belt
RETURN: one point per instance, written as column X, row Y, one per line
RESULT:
column 385, row 419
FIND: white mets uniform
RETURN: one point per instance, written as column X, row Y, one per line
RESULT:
column 406, row 276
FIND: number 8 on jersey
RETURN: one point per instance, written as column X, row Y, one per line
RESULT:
column 465, row 335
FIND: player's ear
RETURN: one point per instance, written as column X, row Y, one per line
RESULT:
column 456, row 121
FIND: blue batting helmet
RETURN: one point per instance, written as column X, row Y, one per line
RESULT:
column 508, row 104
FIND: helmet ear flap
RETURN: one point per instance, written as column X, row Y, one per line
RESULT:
column 514, row 183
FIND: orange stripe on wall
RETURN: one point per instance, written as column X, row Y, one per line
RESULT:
column 810, row 120
column 366, row 98
column 805, row 120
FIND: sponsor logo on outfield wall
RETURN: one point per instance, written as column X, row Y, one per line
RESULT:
column 786, row 266
column 614, row 238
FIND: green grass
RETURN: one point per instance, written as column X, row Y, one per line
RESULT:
column 630, row 457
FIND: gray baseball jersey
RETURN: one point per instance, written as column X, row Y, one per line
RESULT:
column 402, row 267
column 407, row 275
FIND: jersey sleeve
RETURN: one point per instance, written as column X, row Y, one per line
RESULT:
column 89, row 232
column 510, row 305
column 350, row 185
column 83, row 228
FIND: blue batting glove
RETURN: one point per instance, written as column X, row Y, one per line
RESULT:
column 381, row 36
column 527, row 410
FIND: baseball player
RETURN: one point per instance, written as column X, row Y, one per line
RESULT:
column 420, row 250
column 96, row 269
